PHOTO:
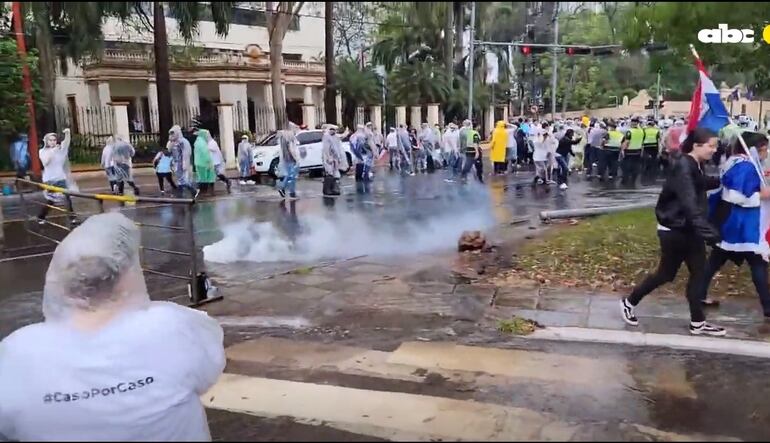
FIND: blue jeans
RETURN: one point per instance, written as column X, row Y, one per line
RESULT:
column 289, row 181
column 563, row 169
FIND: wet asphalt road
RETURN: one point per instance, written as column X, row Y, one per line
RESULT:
column 408, row 218
column 393, row 215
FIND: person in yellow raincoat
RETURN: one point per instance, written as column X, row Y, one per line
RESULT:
column 499, row 143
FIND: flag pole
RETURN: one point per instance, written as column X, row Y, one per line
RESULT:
column 740, row 137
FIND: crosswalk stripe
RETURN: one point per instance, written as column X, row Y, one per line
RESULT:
column 390, row 415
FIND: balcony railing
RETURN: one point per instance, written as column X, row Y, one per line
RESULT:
column 224, row 59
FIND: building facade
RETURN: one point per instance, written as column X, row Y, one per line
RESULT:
column 233, row 69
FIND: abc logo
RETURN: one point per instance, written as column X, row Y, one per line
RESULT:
column 723, row 34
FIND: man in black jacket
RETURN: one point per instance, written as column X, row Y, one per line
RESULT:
column 683, row 229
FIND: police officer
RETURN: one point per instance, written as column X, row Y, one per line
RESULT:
column 650, row 151
column 631, row 151
column 610, row 152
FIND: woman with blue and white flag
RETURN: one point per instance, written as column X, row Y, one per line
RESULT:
column 740, row 210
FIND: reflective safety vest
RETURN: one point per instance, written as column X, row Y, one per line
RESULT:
column 472, row 140
column 651, row 136
column 637, row 138
column 615, row 140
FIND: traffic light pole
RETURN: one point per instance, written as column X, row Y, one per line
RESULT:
column 657, row 99
column 26, row 82
column 471, row 56
column 555, row 76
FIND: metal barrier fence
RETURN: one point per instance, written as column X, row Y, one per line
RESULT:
column 197, row 282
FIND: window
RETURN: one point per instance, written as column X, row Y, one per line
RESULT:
column 307, row 138
column 240, row 16
column 270, row 140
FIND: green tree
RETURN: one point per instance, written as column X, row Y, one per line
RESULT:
column 419, row 82
column 357, row 86
column 279, row 17
column 13, row 112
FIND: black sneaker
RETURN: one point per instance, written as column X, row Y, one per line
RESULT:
column 281, row 191
column 627, row 309
column 704, row 328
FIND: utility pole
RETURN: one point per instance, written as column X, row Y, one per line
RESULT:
column 470, row 62
column 657, row 101
column 555, row 76
column 26, row 82
column 330, row 94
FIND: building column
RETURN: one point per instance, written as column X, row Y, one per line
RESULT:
column 120, row 125
column 307, row 96
column 416, row 117
column 400, row 115
column 375, row 112
column 489, row 121
column 192, row 97
column 433, row 114
column 268, row 93
column 235, row 94
column 308, row 116
column 226, row 140
column 105, row 96
column 152, row 101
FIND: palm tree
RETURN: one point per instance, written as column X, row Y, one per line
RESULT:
column 357, row 86
column 420, row 82
column 279, row 17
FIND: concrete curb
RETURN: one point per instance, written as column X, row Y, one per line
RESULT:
column 748, row 348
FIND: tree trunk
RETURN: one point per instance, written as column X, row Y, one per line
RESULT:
column 276, row 65
column 47, row 64
column 162, row 74
column 330, row 93
column 459, row 22
column 448, row 41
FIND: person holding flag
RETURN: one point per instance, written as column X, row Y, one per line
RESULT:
column 683, row 227
column 740, row 210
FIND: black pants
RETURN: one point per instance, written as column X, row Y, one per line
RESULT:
column 563, row 171
column 331, row 185
column 632, row 163
column 165, row 176
column 677, row 247
column 589, row 157
column 650, row 163
column 122, row 187
column 500, row 167
column 758, row 268
column 608, row 162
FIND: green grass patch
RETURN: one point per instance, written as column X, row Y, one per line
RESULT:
column 613, row 251
column 517, row 326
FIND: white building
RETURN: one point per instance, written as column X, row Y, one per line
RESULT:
column 233, row 69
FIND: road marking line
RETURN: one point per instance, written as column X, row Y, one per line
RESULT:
column 513, row 363
column 749, row 348
column 390, row 415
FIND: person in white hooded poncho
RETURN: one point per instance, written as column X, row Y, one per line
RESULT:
column 108, row 165
column 218, row 159
column 107, row 363
column 56, row 172
column 181, row 151
column 334, row 161
column 122, row 155
column 245, row 153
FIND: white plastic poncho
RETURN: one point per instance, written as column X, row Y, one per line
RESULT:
column 244, row 157
column 332, row 156
column 181, row 152
column 107, row 364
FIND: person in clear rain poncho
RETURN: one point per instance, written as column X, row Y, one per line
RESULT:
column 245, row 153
column 334, row 161
column 107, row 363
column 122, row 153
column 181, row 151
column 108, row 165
column 56, row 172
column 205, row 174
column 288, row 163
column 218, row 159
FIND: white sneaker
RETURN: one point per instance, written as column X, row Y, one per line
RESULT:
column 563, row 186
column 627, row 310
column 251, row 182
column 242, row 182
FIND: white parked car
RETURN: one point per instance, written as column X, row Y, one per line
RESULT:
column 266, row 152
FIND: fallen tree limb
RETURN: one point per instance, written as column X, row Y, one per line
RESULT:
column 546, row 216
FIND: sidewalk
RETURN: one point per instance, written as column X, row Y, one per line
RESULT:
column 742, row 317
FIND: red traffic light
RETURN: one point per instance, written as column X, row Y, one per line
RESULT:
column 526, row 50
column 570, row 51
column 580, row 50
